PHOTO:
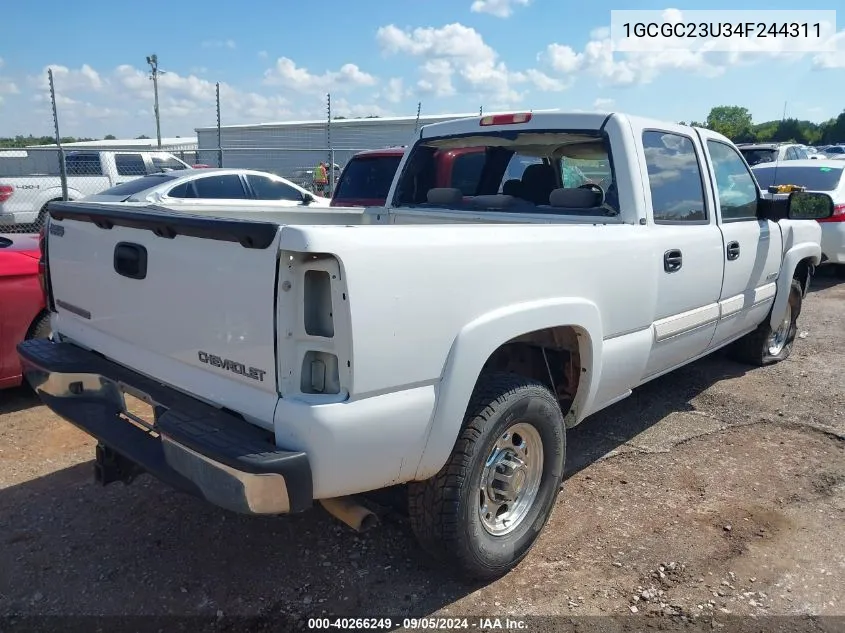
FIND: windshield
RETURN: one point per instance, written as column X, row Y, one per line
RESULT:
column 139, row 184
column 757, row 156
column 813, row 178
column 367, row 177
column 531, row 172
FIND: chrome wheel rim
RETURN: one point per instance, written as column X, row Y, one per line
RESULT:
column 510, row 479
column 777, row 340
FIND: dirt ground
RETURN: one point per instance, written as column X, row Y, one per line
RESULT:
column 713, row 492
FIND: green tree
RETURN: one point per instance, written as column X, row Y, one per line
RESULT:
column 733, row 121
column 109, row 137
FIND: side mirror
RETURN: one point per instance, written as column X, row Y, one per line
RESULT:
column 308, row 198
column 809, row 205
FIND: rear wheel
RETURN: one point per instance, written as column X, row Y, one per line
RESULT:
column 767, row 345
column 483, row 511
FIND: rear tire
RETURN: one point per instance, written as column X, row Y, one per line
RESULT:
column 764, row 345
column 483, row 511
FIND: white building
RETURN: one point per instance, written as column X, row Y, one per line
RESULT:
column 291, row 148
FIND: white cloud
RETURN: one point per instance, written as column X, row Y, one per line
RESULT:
column 603, row 104
column 498, row 8
column 342, row 107
column 832, row 60
column 230, row 44
column 394, row 90
column 263, row 54
column 436, row 79
column 1, row 62
column 450, row 51
column 68, row 79
column 286, row 73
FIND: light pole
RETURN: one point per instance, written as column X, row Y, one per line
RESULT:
column 152, row 60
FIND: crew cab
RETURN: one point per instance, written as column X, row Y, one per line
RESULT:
column 23, row 199
column 444, row 341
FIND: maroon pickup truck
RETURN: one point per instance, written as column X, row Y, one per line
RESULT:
column 366, row 179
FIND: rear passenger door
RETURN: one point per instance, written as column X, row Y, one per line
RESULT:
column 687, row 247
column 751, row 248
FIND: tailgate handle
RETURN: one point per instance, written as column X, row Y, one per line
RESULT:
column 130, row 260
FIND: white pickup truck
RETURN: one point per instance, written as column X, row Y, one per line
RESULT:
column 445, row 340
column 24, row 199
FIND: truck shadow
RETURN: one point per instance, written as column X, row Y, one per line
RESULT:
column 17, row 399
column 825, row 277
column 145, row 549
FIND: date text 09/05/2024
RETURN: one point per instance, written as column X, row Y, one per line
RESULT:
column 722, row 29
column 484, row 624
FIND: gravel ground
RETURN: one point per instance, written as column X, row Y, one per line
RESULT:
column 713, row 492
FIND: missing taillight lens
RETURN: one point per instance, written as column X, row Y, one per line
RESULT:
column 838, row 214
column 6, row 192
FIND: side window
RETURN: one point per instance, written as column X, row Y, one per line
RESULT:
column 130, row 165
column 674, row 177
column 268, row 189
column 225, row 187
column 801, row 153
column 83, row 165
column 466, row 172
column 735, row 186
column 790, row 153
column 185, row 190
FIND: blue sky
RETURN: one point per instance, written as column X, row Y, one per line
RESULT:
column 276, row 61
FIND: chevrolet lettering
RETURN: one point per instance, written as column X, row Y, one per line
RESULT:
column 232, row 366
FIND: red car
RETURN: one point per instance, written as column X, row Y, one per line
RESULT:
column 23, row 313
column 366, row 179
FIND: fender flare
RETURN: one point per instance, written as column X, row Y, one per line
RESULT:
column 477, row 341
column 791, row 259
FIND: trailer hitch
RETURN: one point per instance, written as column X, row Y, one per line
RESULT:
column 110, row 466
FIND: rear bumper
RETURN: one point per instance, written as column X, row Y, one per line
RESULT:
column 194, row 447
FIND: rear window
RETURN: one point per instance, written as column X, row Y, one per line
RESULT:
column 757, row 156
column 531, row 172
column 813, row 178
column 139, row 184
column 367, row 177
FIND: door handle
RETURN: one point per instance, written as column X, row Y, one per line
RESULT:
column 672, row 260
column 130, row 260
column 733, row 251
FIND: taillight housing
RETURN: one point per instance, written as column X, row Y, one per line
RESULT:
column 838, row 214
column 6, row 192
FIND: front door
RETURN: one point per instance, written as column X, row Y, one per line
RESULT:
column 752, row 248
column 688, row 248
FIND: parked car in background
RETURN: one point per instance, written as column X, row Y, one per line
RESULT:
column 833, row 151
column 756, row 153
column 199, row 190
column 367, row 177
column 23, row 312
column 23, row 199
column 818, row 175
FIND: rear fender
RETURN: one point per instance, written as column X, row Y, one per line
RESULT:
column 477, row 341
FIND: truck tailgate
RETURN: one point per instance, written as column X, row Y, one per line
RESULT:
column 187, row 299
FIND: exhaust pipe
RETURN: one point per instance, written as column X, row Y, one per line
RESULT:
column 348, row 510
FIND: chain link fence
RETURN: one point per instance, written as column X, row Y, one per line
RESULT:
column 31, row 177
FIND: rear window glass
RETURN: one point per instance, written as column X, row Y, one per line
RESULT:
column 813, row 178
column 83, row 164
column 757, row 156
column 139, row 184
column 367, row 177
column 556, row 172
